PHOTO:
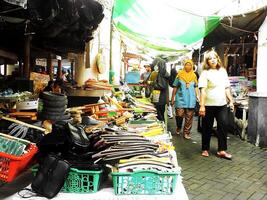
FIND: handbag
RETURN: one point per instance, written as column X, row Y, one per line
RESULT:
column 155, row 96
column 148, row 91
column 50, row 176
column 149, row 87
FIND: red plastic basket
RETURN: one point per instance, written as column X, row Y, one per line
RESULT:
column 11, row 166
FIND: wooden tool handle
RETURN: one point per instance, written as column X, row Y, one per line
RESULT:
column 90, row 128
column 22, row 123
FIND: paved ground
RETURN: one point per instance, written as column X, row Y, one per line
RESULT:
column 212, row 178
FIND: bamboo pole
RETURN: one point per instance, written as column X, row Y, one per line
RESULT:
column 255, row 49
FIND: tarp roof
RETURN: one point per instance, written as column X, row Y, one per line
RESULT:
column 169, row 25
column 161, row 26
column 234, row 27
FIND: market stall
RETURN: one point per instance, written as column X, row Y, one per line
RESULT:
column 115, row 148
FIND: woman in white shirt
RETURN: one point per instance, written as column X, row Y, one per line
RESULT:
column 214, row 94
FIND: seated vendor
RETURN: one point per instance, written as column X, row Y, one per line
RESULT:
column 49, row 87
column 57, row 86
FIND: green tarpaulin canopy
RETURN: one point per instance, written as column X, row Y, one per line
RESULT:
column 160, row 26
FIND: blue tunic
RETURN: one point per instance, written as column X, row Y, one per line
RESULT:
column 185, row 97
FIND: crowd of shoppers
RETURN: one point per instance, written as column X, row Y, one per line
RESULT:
column 211, row 91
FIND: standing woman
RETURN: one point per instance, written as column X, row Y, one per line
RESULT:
column 159, row 78
column 185, row 93
column 214, row 93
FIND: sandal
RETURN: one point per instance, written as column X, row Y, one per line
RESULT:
column 187, row 136
column 177, row 131
column 205, row 153
column 225, row 155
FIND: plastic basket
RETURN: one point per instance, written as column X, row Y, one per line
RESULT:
column 11, row 165
column 82, row 181
column 79, row 181
column 144, row 183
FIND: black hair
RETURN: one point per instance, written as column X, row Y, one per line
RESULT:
column 58, row 82
column 50, row 83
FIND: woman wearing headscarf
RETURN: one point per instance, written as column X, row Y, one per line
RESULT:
column 159, row 80
column 215, row 92
column 185, row 93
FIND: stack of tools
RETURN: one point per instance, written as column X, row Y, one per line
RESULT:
column 137, row 103
column 76, row 115
column 146, row 162
column 122, row 144
column 152, row 129
column 92, row 84
column 24, row 115
column 88, row 108
column 147, row 128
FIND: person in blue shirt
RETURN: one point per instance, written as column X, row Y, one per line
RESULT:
column 185, row 94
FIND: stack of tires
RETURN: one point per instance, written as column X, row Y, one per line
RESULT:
column 54, row 107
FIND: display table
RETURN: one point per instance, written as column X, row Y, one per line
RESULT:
column 108, row 194
column 242, row 104
column 105, row 192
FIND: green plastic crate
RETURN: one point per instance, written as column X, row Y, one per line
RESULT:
column 80, row 181
column 144, row 183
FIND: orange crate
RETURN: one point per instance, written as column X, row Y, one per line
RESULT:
column 11, row 166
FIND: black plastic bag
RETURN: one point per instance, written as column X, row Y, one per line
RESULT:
column 77, row 139
column 50, row 176
column 161, row 82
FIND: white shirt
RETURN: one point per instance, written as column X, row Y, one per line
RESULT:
column 215, row 81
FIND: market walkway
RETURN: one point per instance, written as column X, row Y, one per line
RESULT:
column 212, row 178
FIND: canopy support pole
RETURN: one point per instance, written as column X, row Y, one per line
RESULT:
column 5, row 69
column 50, row 66
column 26, row 66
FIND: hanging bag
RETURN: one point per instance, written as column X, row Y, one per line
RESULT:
column 159, row 84
column 148, row 88
column 155, row 96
